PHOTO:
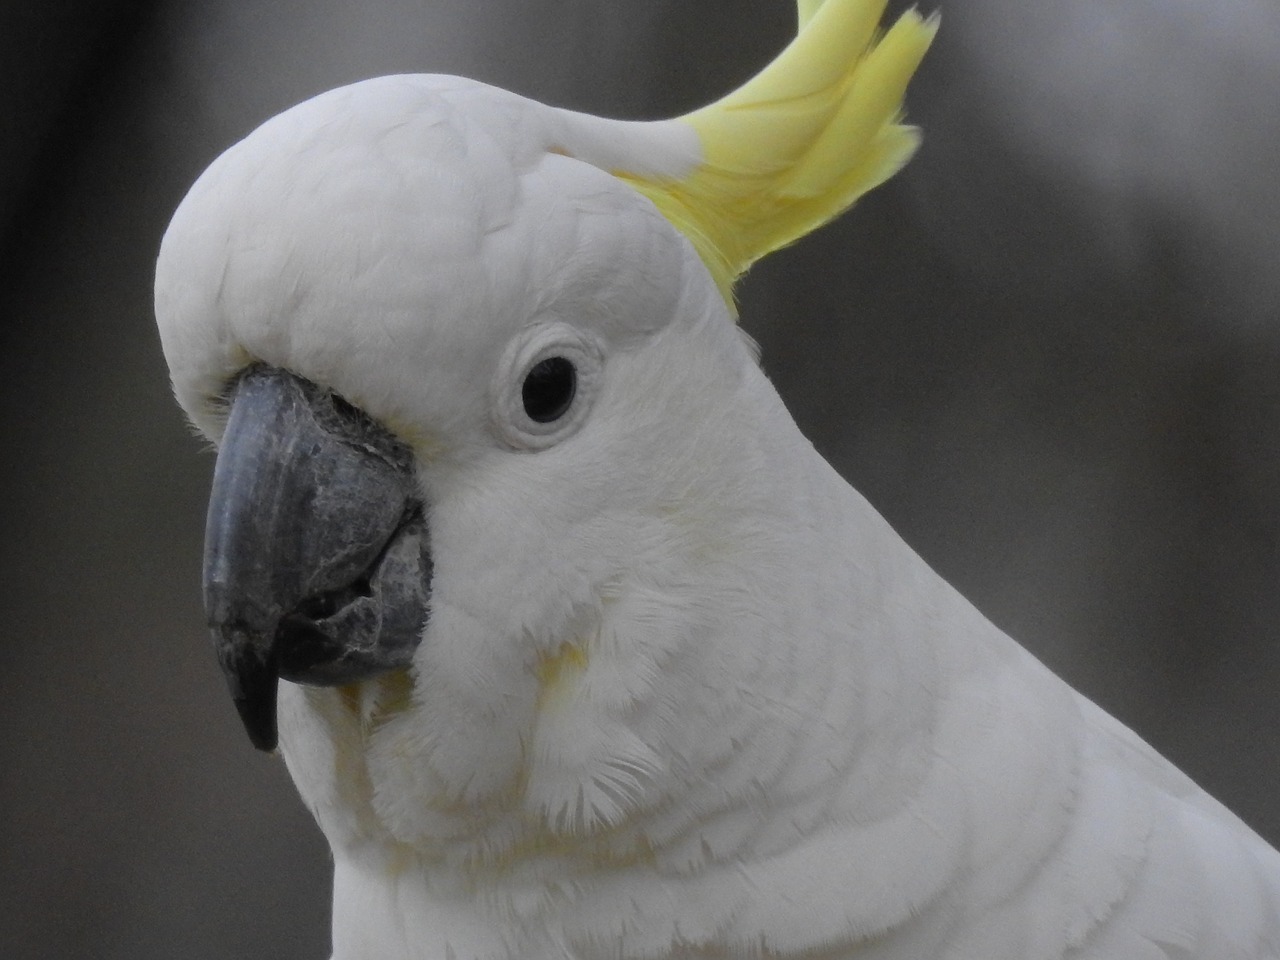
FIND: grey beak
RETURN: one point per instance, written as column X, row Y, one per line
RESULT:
column 317, row 564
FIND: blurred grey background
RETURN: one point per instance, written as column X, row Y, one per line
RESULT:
column 1048, row 352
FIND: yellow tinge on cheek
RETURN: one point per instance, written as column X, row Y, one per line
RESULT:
column 557, row 673
column 374, row 701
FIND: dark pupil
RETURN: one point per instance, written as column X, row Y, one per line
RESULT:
column 548, row 389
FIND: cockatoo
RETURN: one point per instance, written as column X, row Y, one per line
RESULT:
column 587, row 652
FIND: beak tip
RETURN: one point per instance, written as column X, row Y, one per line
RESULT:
column 259, row 718
column 253, row 682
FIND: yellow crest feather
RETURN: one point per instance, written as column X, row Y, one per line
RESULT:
column 805, row 9
column 799, row 142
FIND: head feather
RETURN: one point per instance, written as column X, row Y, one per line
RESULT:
column 801, row 140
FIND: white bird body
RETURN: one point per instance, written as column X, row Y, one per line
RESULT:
column 682, row 692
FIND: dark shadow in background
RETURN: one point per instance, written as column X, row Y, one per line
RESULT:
column 1048, row 352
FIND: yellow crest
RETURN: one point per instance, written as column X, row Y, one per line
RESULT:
column 799, row 142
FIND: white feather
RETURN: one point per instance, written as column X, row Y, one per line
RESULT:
column 775, row 732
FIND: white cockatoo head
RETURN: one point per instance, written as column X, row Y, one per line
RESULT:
column 498, row 481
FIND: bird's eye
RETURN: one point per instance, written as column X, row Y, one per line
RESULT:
column 545, row 385
column 548, row 389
